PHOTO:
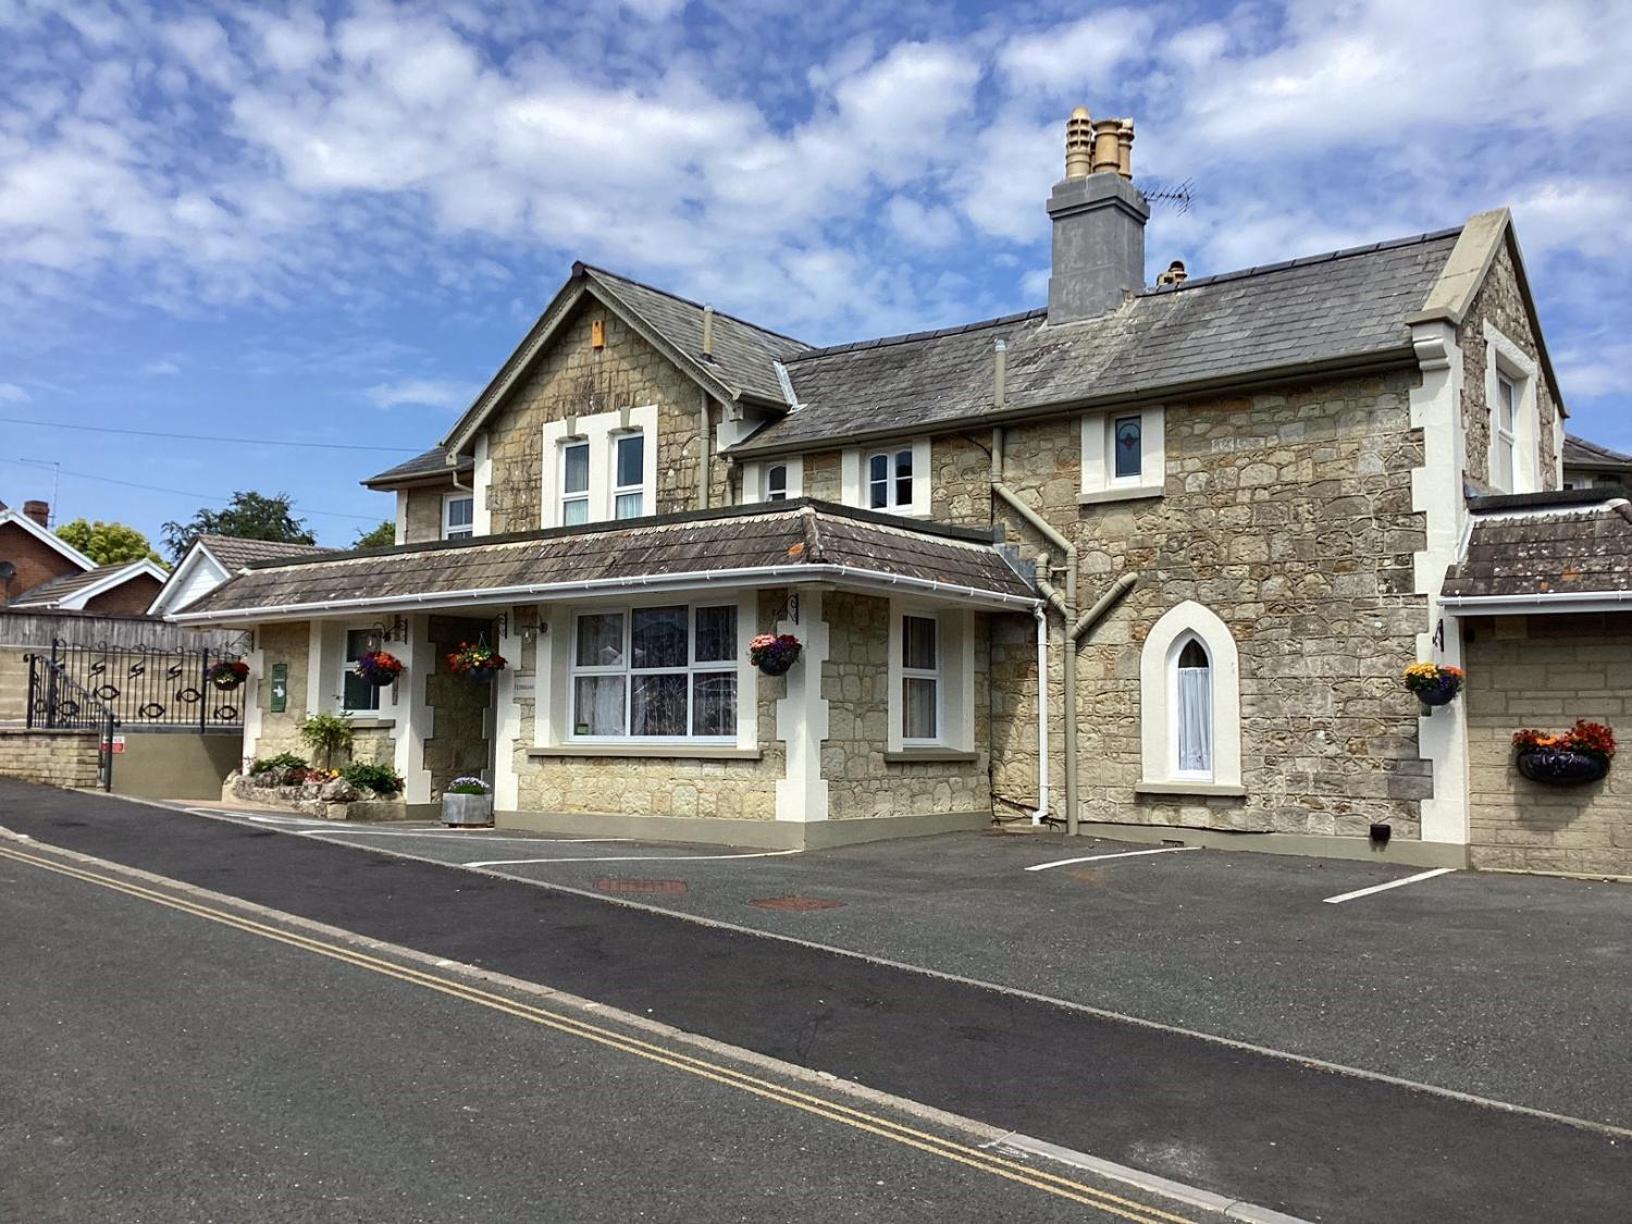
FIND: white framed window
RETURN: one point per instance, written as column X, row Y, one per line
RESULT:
column 1190, row 704
column 1123, row 455
column 654, row 673
column 628, row 475
column 776, row 482
column 1504, row 434
column 574, row 483
column 1192, row 721
column 893, row 479
column 920, row 680
column 458, row 516
column 356, row 694
column 771, row 480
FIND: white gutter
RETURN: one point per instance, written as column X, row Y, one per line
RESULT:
column 1041, row 812
column 1543, row 602
column 776, row 575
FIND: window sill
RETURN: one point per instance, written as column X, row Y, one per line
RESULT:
column 1121, row 494
column 1210, row 790
column 684, row 752
column 910, row 756
column 364, row 723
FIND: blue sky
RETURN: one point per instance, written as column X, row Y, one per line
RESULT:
column 330, row 223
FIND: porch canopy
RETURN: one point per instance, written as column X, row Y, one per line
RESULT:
column 772, row 544
column 1563, row 551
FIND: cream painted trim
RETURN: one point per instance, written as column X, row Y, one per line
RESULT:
column 599, row 430
column 507, row 721
column 1465, row 268
column 415, row 719
column 481, row 481
column 1098, row 461
column 316, row 702
column 954, row 682
column 1504, row 357
column 1156, row 668
column 254, row 720
column 853, row 476
column 402, row 516
column 802, row 715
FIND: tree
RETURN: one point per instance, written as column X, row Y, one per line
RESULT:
column 106, row 543
column 249, row 516
column 383, row 536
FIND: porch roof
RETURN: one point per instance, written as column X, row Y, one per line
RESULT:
column 761, row 545
column 1561, row 551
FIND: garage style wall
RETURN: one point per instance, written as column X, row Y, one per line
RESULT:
column 1548, row 671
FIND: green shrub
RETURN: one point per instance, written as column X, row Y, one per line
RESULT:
column 327, row 733
column 284, row 760
column 381, row 779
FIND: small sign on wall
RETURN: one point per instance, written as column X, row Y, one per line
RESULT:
column 280, row 687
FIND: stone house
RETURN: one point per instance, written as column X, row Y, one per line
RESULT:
column 1147, row 560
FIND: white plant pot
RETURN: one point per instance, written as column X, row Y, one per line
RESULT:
column 467, row 809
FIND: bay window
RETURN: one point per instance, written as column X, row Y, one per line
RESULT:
column 665, row 672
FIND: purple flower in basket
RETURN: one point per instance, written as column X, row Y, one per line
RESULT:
column 774, row 653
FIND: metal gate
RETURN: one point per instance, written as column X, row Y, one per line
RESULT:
column 137, row 686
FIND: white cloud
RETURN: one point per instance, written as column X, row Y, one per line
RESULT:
column 11, row 393
column 161, row 367
column 1081, row 56
column 422, row 393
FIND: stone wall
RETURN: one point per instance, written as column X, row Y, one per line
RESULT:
column 286, row 642
column 573, row 378
column 855, row 682
column 1500, row 302
column 650, row 786
column 56, row 758
column 1546, row 672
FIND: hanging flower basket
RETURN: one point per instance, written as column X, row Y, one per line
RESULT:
column 379, row 668
column 774, row 653
column 476, row 660
column 1434, row 685
column 228, row 674
column 1571, row 758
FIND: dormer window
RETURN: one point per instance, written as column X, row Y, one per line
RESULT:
column 892, row 479
column 889, row 480
column 776, row 482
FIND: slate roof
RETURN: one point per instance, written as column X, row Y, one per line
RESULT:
column 745, row 355
column 432, row 463
column 1343, row 306
column 1578, row 452
column 49, row 594
column 1577, row 545
column 797, row 537
column 235, row 552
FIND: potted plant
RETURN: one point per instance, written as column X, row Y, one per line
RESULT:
column 327, row 733
column 379, row 668
column 228, row 673
column 467, row 802
column 774, row 653
column 477, row 660
column 1434, row 685
column 1570, row 758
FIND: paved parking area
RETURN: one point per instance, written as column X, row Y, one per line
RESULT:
column 1511, row 988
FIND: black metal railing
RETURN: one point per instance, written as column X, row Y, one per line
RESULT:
column 141, row 687
column 58, row 702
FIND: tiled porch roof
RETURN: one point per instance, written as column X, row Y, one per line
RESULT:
column 1538, row 550
column 783, row 542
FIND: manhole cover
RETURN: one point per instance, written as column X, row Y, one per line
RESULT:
column 795, row 904
column 637, row 884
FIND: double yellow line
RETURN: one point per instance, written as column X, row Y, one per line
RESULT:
column 975, row 1158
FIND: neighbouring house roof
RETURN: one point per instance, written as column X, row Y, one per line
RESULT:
column 743, row 364
column 1346, row 307
column 1580, row 453
column 235, row 552
column 72, row 592
column 736, row 547
column 211, row 559
column 424, row 467
column 1569, row 550
column 47, row 537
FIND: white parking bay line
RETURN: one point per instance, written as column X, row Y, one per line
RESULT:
column 1377, row 888
column 632, row 858
column 1095, row 858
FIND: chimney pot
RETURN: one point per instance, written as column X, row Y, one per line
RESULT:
column 1124, row 149
column 708, row 332
column 1079, row 144
column 39, row 511
column 1099, row 222
column 1175, row 274
column 1106, row 158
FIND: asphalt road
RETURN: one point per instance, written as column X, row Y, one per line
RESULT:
column 161, row 1067
column 1322, row 1146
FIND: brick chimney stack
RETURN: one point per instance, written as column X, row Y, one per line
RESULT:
column 1099, row 221
column 39, row 511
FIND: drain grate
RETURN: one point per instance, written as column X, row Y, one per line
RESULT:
column 638, row 884
column 798, row 905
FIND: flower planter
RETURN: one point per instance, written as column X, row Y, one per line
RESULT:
column 465, row 811
column 1562, row 766
column 780, row 664
column 1440, row 693
column 774, row 653
column 227, row 683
